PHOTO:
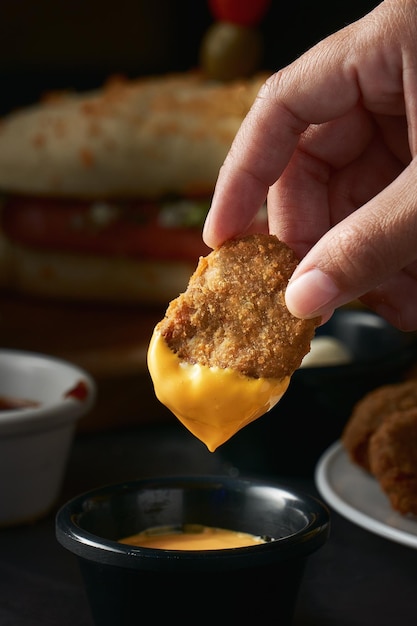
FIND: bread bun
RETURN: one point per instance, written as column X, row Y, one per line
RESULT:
column 88, row 278
column 142, row 138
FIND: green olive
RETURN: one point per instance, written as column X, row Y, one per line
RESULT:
column 230, row 51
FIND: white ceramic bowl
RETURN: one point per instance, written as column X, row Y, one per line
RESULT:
column 35, row 441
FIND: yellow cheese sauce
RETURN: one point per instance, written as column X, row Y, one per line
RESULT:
column 213, row 403
column 191, row 537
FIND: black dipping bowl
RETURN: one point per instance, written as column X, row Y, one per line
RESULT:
column 229, row 586
column 319, row 400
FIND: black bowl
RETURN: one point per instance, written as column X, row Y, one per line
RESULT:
column 313, row 411
column 227, row 586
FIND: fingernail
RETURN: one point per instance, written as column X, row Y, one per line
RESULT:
column 310, row 294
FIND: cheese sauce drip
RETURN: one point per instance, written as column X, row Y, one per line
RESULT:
column 213, row 403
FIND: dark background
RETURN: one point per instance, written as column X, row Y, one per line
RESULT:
column 77, row 44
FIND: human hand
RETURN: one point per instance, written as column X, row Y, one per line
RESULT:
column 331, row 140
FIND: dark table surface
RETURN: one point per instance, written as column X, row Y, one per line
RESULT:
column 356, row 579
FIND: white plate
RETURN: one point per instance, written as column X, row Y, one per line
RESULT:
column 357, row 496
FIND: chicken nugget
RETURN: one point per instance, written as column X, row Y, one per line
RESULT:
column 393, row 459
column 225, row 351
column 370, row 412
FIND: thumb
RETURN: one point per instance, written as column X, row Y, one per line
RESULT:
column 361, row 254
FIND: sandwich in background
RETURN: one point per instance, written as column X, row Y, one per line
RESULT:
column 104, row 195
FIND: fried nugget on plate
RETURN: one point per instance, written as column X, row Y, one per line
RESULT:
column 393, row 459
column 226, row 349
column 370, row 412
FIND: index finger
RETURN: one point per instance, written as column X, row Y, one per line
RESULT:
column 318, row 87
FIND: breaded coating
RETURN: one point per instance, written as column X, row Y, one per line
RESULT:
column 393, row 459
column 370, row 412
column 233, row 313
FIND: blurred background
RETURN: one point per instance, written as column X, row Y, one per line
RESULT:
column 52, row 45
column 77, row 44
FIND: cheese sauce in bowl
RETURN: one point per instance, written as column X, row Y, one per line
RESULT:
column 201, row 577
column 192, row 537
